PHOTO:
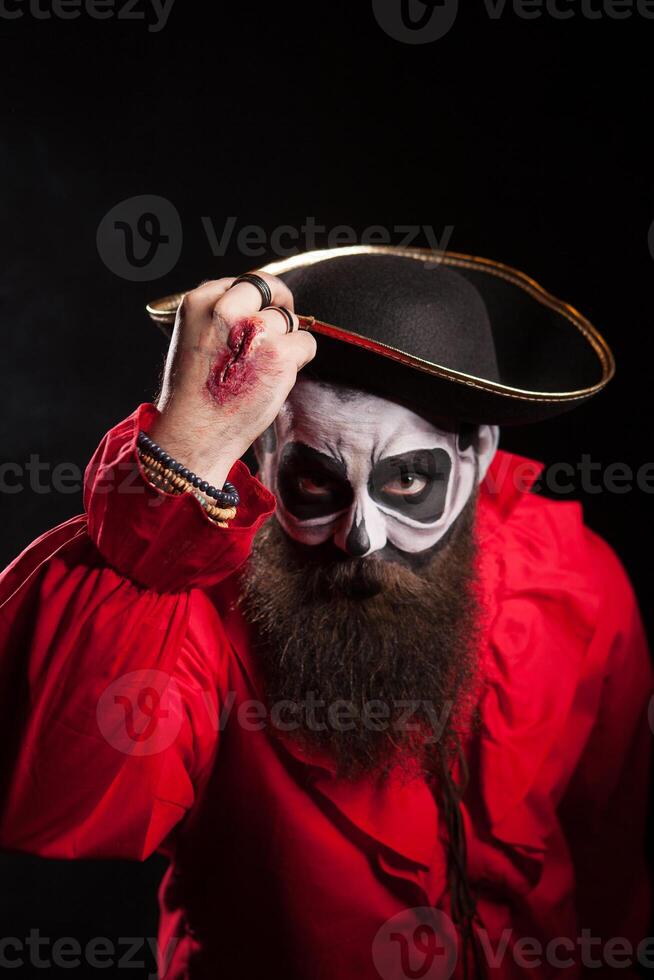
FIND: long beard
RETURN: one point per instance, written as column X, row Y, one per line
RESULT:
column 377, row 658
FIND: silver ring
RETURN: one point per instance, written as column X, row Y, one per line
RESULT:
column 288, row 316
column 260, row 284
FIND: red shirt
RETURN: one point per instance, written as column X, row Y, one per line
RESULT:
column 133, row 720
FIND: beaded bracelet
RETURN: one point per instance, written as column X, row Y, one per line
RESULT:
column 228, row 496
column 169, row 482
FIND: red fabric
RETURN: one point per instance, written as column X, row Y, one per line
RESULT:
column 126, row 616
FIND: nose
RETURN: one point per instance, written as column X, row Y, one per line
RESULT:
column 357, row 542
column 362, row 529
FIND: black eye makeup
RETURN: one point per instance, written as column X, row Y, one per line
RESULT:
column 312, row 484
column 413, row 484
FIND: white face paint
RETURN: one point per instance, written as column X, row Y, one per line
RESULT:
column 365, row 471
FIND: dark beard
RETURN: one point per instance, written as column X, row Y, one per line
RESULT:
column 367, row 632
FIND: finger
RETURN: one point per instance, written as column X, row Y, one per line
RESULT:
column 303, row 347
column 282, row 316
column 201, row 300
column 244, row 298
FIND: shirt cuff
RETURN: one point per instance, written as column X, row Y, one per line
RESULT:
column 162, row 541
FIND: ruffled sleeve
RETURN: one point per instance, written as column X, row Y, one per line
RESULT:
column 113, row 662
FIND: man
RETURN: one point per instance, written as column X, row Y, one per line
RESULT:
column 398, row 730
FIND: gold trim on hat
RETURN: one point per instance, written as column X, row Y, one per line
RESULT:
column 163, row 312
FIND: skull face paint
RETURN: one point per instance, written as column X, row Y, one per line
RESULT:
column 366, row 472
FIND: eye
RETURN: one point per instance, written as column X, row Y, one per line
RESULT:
column 406, row 484
column 413, row 484
column 315, row 485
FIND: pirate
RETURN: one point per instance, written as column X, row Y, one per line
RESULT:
column 382, row 706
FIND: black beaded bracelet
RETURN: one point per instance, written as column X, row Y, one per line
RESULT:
column 228, row 496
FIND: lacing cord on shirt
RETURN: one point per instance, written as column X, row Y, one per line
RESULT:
column 463, row 905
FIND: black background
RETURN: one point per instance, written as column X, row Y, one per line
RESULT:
column 532, row 138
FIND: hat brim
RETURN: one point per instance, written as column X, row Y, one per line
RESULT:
column 550, row 357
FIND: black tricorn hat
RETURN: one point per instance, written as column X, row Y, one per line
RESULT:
column 449, row 334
